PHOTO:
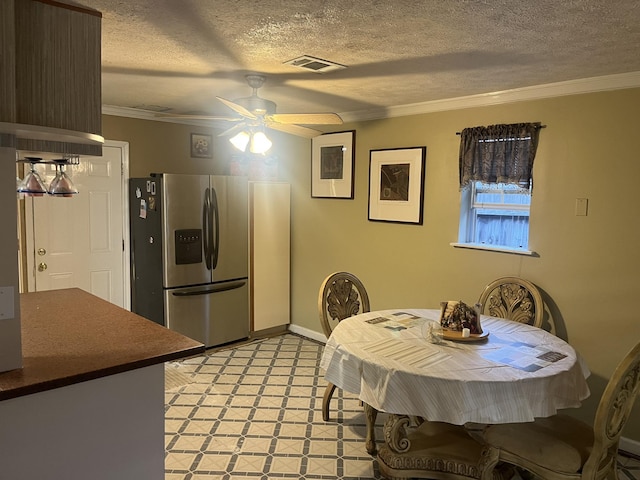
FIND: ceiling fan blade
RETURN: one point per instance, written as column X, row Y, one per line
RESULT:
column 238, row 108
column 293, row 129
column 198, row 117
column 232, row 130
column 307, row 118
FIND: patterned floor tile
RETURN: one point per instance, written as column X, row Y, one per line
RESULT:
column 247, row 464
column 325, row 447
column 206, row 413
column 173, row 426
column 323, row 466
column 179, row 461
column 292, row 430
column 237, row 413
column 219, row 476
column 221, row 444
column 265, row 415
column 230, row 428
column 253, row 412
column 288, row 447
column 285, row 465
column 189, row 443
column 256, row 445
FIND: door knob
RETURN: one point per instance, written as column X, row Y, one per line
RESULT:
column 42, row 267
column 42, row 251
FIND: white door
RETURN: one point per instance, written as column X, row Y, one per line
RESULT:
column 82, row 241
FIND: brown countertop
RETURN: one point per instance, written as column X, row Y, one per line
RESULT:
column 70, row 336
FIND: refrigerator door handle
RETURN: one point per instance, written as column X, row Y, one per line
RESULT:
column 214, row 289
column 206, row 228
column 215, row 224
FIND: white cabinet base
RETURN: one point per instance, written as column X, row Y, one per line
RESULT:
column 269, row 245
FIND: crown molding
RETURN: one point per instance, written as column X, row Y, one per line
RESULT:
column 149, row 115
column 549, row 90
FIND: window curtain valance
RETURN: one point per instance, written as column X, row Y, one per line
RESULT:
column 498, row 154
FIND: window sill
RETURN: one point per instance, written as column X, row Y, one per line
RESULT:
column 492, row 248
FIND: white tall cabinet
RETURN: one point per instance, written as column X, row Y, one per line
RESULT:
column 269, row 254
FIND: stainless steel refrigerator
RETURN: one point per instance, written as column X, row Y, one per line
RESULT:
column 189, row 254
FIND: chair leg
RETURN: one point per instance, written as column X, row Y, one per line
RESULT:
column 328, row 393
column 370, row 414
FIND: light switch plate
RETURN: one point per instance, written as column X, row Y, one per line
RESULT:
column 582, row 207
column 6, row 303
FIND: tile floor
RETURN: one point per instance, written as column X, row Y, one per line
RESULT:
column 254, row 412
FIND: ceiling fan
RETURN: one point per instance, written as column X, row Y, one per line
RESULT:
column 257, row 112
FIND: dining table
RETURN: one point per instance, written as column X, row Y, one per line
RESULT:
column 401, row 362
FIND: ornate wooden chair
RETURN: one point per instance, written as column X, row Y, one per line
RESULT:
column 513, row 298
column 563, row 448
column 343, row 295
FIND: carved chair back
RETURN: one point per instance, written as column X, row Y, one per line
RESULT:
column 513, row 298
column 341, row 295
column 612, row 414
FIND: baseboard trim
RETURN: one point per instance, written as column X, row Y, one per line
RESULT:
column 630, row 446
column 305, row 332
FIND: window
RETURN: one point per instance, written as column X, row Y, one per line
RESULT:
column 495, row 214
column 496, row 186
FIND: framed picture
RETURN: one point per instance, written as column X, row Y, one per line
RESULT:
column 396, row 184
column 201, row 146
column 332, row 164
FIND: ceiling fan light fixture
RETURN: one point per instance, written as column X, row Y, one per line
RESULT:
column 240, row 140
column 259, row 143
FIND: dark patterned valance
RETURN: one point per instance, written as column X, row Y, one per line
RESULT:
column 498, row 153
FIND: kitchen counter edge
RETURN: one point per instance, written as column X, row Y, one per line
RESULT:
column 70, row 336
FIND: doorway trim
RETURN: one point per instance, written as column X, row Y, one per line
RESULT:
column 126, row 266
column 126, row 254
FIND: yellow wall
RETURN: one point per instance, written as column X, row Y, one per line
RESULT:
column 587, row 266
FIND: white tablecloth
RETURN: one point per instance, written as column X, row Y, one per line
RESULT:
column 390, row 366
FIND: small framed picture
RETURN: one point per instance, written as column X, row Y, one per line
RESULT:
column 396, row 184
column 332, row 165
column 201, row 146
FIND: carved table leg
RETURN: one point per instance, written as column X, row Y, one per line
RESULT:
column 395, row 433
column 489, row 459
column 370, row 414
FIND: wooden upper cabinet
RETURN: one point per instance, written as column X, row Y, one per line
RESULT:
column 7, row 62
column 57, row 55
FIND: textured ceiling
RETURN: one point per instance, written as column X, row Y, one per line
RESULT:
column 180, row 54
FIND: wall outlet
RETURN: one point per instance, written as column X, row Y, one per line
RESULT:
column 6, row 303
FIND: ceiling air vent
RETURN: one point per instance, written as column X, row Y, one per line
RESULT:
column 314, row 64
